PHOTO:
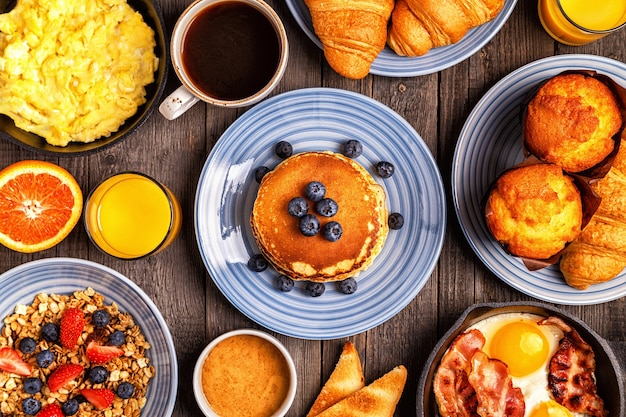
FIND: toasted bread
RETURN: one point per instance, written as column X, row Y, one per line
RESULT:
column 376, row 399
column 346, row 378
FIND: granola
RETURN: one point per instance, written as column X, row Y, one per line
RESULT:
column 132, row 365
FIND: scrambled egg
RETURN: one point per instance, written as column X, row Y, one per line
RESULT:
column 74, row 70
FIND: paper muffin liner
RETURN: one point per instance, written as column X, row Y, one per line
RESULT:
column 589, row 199
column 599, row 170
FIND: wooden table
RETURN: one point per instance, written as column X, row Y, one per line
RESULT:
column 436, row 105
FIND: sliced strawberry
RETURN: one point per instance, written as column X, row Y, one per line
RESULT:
column 11, row 361
column 72, row 325
column 63, row 375
column 51, row 410
column 100, row 398
column 97, row 353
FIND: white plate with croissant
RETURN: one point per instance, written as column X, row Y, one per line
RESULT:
column 392, row 64
column 489, row 143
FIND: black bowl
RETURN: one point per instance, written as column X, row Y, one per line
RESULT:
column 609, row 372
column 152, row 16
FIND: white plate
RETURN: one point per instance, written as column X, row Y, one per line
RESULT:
column 490, row 142
column 21, row 284
column 389, row 64
column 320, row 119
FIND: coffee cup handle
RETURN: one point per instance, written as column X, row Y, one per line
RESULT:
column 177, row 103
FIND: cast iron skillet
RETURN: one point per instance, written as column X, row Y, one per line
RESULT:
column 610, row 373
column 152, row 16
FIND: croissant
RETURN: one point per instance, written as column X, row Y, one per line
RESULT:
column 420, row 25
column 352, row 32
column 599, row 252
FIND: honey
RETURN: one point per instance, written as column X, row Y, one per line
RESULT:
column 245, row 376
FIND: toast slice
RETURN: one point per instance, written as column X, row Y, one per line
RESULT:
column 376, row 399
column 346, row 378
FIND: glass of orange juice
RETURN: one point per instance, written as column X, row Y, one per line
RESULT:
column 131, row 215
column 578, row 22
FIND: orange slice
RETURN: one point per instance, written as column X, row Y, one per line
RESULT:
column 40, row 203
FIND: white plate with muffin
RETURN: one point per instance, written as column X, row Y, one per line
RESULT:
column 490, row 143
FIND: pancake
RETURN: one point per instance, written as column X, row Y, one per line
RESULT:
column 362, row 214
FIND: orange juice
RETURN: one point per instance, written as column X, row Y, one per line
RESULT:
column 578, row 22
column 130, row 215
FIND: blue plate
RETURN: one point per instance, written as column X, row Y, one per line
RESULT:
column 21, row 284
column 320, row 119
column 389, row 64
column 489, row 143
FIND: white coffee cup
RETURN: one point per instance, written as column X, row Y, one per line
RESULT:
column 229, row 62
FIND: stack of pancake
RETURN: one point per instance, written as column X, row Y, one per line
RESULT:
column 362, row 214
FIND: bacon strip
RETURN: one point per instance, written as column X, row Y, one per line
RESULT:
column 494, row 388
column 454, row 394
column 571, row 376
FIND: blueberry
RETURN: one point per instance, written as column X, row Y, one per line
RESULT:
column 298, row 207
column 257, row 263
column 98, row 374
column 284, row 283
column 31, row 406
column 260, row 172
column 315, row 191
column 395, row 221
column 332, row 231
column 283, row 149
column 309, row 225
column 100, row 318
column 50, row 332
column 315, row 289
column 32, row 385
column 348, row 286
column 80, row 398
column 352, row 148
column 27, row 345
column 45, row 358
column 385, row 169
column 125, row 390
column 326, row 207
column 117, row 338
column 70, row 407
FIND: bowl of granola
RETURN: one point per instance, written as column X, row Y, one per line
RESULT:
column 78, row 338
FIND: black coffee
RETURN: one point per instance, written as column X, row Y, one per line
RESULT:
column 230, row 51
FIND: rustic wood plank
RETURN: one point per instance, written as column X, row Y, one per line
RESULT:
column 436, row 105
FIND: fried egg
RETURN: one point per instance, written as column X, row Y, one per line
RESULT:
column 526, row 347
column 74, row 70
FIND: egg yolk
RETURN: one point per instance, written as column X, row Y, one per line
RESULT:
column 521, row 345
column 550, row 409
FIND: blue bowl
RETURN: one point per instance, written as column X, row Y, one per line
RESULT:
column 21, row 284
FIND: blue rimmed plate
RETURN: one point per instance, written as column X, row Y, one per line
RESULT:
column 21, row 284
column 320, row 119
column 489, row 143
column 389, row 64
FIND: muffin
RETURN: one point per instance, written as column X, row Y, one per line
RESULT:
column 571, row 121
column 534, row 211
column 361, row 212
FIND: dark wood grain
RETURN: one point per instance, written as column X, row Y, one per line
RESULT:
column 436, row 105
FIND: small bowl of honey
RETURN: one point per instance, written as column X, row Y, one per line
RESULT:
column 245, row 372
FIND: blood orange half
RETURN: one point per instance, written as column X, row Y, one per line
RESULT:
column 40, row 203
